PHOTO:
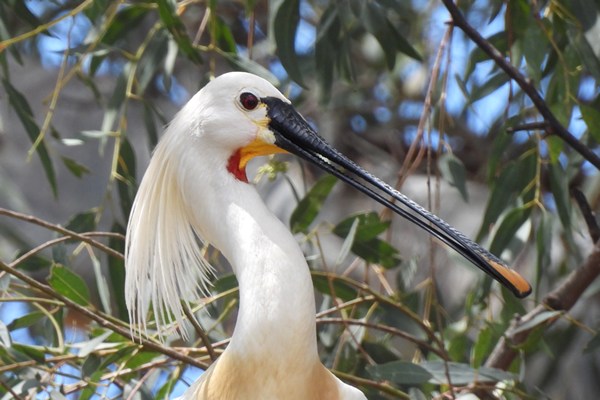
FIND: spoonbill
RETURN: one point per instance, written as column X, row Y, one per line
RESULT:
column 195, row 191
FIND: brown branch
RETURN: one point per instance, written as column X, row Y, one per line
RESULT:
column 528, row 127
column 100, row 319
column 588, row 214
column 554, row 126
column 61, row 230
column 560, row 299
column 200, row 331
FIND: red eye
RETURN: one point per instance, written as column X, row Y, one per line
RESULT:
column 248, row 101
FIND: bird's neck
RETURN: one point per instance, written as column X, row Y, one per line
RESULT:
column 276, row 318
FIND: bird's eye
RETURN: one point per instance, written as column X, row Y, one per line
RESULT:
column 248, row 101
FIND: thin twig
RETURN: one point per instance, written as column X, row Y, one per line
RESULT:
column 200, row 331
column 530, row 126
column 61, row 230
column 99, row 318
column 387, row 329
column 560, row 299
column 554, row 126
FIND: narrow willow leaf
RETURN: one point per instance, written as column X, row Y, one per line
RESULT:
column 400, row 372
column 308, row 208
column 101, row 285
column 482, row 346
column 169, row 17
column 491, row 85
column 366, row 245
column 559, row 185
column 538, row 320
column 285, row 15
column 369, row 227
column 348, row 242
column 5, row 340
column 32, row 263
column 126, row 185
column 116, row 272
column 69, row 284
column 91, row 345
column 126, row 20
column 23, row 110
column 509, row 226
column 151, row 62
column 507, row 186
column 453, row 171
column 591, row 117
column 463, row 374
column 326, row 49
column 74, row 167
column 82, row 222
column 26, row 320
column 340, row 289
column 31, row 352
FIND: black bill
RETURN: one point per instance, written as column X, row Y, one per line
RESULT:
column 295, row 135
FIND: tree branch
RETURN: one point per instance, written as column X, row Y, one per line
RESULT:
column 553, row 125
column 100, row 319
column 560, row 299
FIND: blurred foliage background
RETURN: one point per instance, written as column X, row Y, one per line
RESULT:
column 492, row 121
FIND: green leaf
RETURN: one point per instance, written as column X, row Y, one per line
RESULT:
column 400, row 372
column 285, row 15
column 506, row 187
column 150, row 125
column 224, row 37
column 591, row 117
column 326, row 49
column 31, row 352
column 83, row 222
column 453, row 171
column 341, row 289
column 169, row 17
column 482, row 346
column 307, row 209
column 498, row 40
column 225, row 283
column 25, row 114
column 76, row 169
column 33, row 263
column 463, row 374
column 538, row 320
column 490, row 86
column 511, row 222
column 69, row 284
column 116, row 272
column 26, row 320
column 366, row 245
column 126, row 185
column 91, row 345
column 535, row 50
column 151, row 61
column 559, row 185
column 369, row 226
column 126, row 20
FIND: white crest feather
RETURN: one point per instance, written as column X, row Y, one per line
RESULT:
column 163, row 258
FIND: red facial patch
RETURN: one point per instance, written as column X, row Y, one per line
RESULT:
column 233, row 166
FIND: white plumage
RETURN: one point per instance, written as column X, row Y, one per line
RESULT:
column 195, row 192
column 187, row 197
